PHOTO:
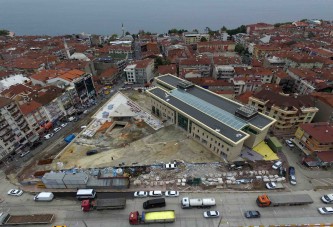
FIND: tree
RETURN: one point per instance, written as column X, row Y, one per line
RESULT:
column 240, row 29
column 224, row 28
column 4, row 32
column 127, row 33
column 113, row 37
column 239, row 48
column 195, row 30
column 203, row 39
column 176, row 31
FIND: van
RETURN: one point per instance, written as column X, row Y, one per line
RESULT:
column 85, row 194
column 44, row 196
column 152, row 203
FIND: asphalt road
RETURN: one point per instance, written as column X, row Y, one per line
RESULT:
column 231, row 205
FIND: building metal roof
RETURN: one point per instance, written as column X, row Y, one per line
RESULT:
column 223, row 105
column 214, row 124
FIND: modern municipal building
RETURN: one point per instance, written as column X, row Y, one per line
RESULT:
column 220, row 124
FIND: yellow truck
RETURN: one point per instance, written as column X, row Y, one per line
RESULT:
column 149, row 217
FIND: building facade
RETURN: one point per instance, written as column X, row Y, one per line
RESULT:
column 15, row 133
column 207, row 117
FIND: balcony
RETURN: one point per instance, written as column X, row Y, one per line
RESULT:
column 3, row 132
column 2, row 119
column 5, row 125
column 8, row 137
column 11, row 106
column 23, row 125
column 14, row 111
column 20, row 122
column 17, row 117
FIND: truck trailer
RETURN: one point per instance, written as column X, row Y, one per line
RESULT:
column 103, row 204
column 283, row 200
column 198, row 202
column 31, row 219
column 148, row 217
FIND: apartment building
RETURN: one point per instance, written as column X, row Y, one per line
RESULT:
column 194, row 38
column 140, row 72
column 216, row 46
column 15, row 133
column 201, row 65
column 316, row 142
column 220, row 124
column 304, row 80
column 289, row 111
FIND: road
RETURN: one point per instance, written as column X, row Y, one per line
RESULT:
column 230, row 204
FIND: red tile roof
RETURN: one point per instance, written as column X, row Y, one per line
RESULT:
column 324, row 97
column 30, row 107
column 321, row 132
column 72, row 74
column 165, row 69
column 325, row 156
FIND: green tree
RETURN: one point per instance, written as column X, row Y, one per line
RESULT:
column 239, row 48
column 4, row 32
column 240, row 29
column 127, row 33
column 113, row 37
column 195, row 30
column 203, row 39
column 224, row 28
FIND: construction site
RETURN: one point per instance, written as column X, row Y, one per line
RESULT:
column 126, row 137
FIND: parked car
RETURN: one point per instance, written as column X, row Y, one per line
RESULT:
column 48, row 136
column 271, row 185
column 170, row 165
column 277, row 165
column 325, row 210
column 55, row 130
column 24, row 153
column 64, row 125
column 252, row 214
column 327, row 198
column 290, row 143
column 155, row 193
column 292, row 180
column 15, row 192
column 140, row 194
column 71, row 118
column 291, row 170
column 282, row 171
column 171, row 193
column 91, row 152
column 211, row 214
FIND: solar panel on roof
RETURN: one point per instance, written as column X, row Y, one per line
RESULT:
column 209, row 109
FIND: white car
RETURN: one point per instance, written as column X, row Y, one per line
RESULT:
column 327, row 198
column 170, row 165
column 15, row 192
column 55, row 130
column 292, row 179
column 277, row 165
column 48, row 136
column 140, row 194
column 270, row 185
column 24, row 153
column 211, row 214
column 290, row 143
column 155, row 193
column 325, row 210
column 64, row 125
column 172, row 193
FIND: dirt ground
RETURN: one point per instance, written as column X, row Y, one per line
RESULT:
column 165, row 145
column 135, row 143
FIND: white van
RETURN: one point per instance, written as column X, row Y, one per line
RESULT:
column 85, row 194
column 44, row 196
